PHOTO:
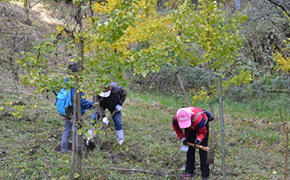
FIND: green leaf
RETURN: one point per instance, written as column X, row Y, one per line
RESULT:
column 86, row 134
column 84, row 7
column 76, row 175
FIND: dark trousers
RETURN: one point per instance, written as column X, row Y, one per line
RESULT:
column 190, row 161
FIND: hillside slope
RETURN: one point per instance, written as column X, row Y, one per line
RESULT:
column 16, row 35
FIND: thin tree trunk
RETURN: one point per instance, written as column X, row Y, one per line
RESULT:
column 286, row 157
column 144, row 84
column 286, row 130
column 210, row 105
column 80, row 139
column 222, row 126
column 183, row 90
column 210, row 97
column 74, row 119
column 26, row 7
column 80, row 65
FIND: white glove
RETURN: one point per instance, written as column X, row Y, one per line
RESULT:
column 118, row 107
column 106, row 121
column 91, row 133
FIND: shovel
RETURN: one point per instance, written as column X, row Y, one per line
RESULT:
column 210, row 152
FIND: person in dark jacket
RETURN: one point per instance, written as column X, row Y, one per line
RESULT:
column 85, row 104
column 191, row 125
column 112, row 98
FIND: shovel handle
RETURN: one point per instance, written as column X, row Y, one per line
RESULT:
column 103, row 124
column 199, row 146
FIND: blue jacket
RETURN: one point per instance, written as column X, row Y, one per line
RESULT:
column 85, row 104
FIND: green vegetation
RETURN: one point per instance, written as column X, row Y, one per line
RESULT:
column 254, row 143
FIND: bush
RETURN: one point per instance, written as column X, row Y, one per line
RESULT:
column 165, row 80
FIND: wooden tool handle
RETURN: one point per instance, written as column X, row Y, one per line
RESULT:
column 103, row 124
column 199, row 146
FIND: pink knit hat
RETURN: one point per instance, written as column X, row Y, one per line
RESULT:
column 183, row 118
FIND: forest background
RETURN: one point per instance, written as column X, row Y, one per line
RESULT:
column 144, row 46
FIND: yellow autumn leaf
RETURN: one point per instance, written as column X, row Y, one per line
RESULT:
column 86, row 50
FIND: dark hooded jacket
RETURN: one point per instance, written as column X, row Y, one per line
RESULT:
column 117, row 96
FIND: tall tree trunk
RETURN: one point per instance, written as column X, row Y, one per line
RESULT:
column 80, row 46
column 286, row 130
column 210, row 96
column 210, row 105
column 74, row 120
column 80, row 139
column 286, row 155
column 26, row 7
column 183, row 90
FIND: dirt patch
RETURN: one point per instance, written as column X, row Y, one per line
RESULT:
column 118, row 158
column 135, row 153
column 107, row 146
column 89, row 147
column 57, row 148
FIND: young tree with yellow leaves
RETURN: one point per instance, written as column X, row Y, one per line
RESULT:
column 102, row 44
column 209, row 38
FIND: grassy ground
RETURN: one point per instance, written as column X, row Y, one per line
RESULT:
column 253, row 136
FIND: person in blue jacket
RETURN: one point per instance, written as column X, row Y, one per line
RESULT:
column 85, row 104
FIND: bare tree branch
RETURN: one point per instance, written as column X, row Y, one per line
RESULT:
column 31, row 6
column 284, row 6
